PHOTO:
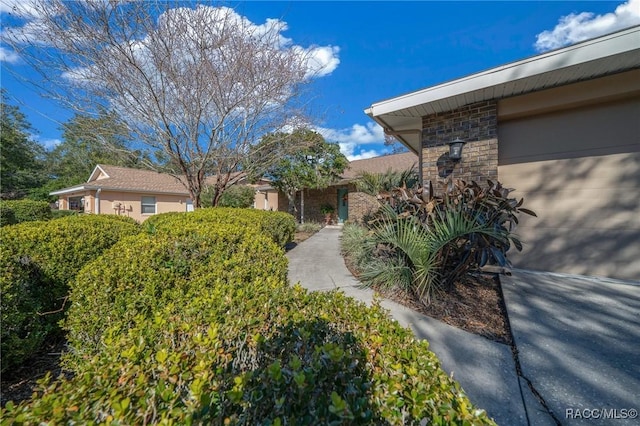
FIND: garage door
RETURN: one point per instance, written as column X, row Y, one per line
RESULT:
column 579, row 170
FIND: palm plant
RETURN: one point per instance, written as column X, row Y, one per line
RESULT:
column 376, row 183
column 425, row 243
column 410, row 246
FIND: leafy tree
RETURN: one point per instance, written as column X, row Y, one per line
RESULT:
column 197, row 84
column 88, row 141
column 21, row 165
column 239, row 196
column 315, row 164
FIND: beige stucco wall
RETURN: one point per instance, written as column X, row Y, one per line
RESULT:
column 579, row 170
column 266, row 200
column 131, row 204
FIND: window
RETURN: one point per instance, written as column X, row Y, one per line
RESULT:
column 148, row 205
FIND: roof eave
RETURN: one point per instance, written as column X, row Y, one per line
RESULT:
column 625, row 41
column 73, row 189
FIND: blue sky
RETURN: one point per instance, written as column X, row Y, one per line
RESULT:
column 375, row 50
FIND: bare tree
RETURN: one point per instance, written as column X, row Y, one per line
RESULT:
column 197, row 84
column 395, row 145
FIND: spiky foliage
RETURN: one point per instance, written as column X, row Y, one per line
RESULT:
column 376, row 183
column 425, row 243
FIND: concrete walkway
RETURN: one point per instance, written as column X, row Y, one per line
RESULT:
column 488, row 371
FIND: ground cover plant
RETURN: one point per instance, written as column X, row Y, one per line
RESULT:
column 37, row 260
column 197, row 324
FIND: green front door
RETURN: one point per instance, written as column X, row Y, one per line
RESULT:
column 343, row 204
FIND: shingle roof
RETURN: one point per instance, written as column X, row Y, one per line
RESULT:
column 395, row 162
column 137, row 180
column 127, row 179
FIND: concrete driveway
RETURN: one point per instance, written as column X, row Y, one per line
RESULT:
column 577, row 341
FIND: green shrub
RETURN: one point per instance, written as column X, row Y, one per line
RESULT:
column 309, row 227
column 358, row 244
column 23, row 329
column 57, row 214
column 24, row 211
column 375, row 183
column 427, row 243
column 283, row 357
column 279, row 226
column 37, row 259
column 238, row 196
column 7, row 215
column 197, row 325
column 144, row 273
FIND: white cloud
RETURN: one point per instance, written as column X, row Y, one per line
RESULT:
column 352, row 138
column 50, row 143
column 371, row 133
column 9, row 56
column 20, row 8
column 582, row 26
column 47, row 143
column 321, row 60
column 364, row 155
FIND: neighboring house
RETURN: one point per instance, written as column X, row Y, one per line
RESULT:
column 563, row 129
column 140, row 193
column 349, row 204
column 128, row 192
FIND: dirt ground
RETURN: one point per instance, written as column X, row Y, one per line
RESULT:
column 474, row 304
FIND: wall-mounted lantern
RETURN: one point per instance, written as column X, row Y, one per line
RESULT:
column 455, row 149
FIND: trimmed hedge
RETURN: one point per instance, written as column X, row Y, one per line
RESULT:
column 280, row 226
column 198, row 326
column 18, row 211
column 144, row 273
column 57, row 214
column 37, row 259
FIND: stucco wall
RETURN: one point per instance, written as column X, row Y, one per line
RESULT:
column 579, row 170
column 130, row 204
column 266, row 200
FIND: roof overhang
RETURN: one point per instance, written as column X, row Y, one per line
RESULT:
column 609, row 54
column 76, row 189
column 72, row 190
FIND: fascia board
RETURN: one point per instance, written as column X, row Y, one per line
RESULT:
column 582, row 53
column 106, row 188
column 72, row 189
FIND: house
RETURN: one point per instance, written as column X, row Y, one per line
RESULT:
column 129, row 192
column 140, row 193
column 563, row 129
column 347, row 201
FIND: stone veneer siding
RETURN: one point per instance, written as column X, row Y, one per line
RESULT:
column 477, row 125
